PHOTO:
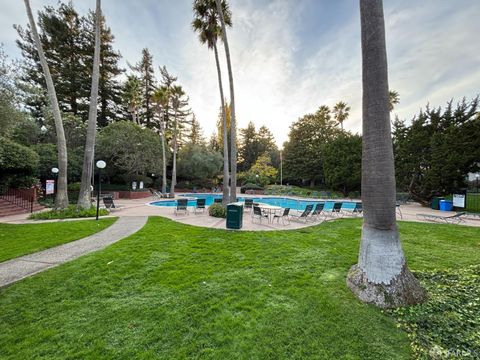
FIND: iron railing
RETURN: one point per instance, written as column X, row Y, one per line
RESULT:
column 17, row 197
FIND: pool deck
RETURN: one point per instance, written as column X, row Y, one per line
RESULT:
column 140, row 207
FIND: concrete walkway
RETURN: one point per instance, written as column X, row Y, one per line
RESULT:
column 24, row 266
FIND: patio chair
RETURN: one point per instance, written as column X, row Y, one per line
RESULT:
column 283, row 216
column 471, row 216
column 109, row 203
column 217, row 200
column 156, row 194
column 317, row 211
column 333, row 210
column 182, row 206
column 249, row 204
column 358, row 209
column 399, row 211
column 200, row 206
column 304, row 214
column 452, row 219
column 258, row 213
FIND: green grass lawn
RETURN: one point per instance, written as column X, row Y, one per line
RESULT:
column 173, row 291
column 18, row 240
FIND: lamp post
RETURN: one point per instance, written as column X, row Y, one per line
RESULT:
column 281, row 168
column 100, row 165
column 153, row 178
column 55, row 175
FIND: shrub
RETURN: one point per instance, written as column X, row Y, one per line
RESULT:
column 74, row 186
column 18, row 163
column 250, row 186
column 217, row 210
column 69, row 213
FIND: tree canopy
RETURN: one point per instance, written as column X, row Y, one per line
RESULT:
column 130, row 149
column 435, row 153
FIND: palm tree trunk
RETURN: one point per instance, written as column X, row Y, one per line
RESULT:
column 226, row 188
column 233, row 124
column 84, row 199
column 381, row 276
column 174, row 167
column 164, row 158
column 61, row 200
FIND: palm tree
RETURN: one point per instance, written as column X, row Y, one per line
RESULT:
column 381, row 276
column 161, row 98
column 233, row 125
column 177, row 92
column 207, row 24
column 341, row 112
column 61, row 200
column 132, row 96
column 393, row 99
column 84, row 201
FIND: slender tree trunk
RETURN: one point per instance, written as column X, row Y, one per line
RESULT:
column 174, row 168
column 84, row 199
column 164, row 158
column 233, row 124
column 381, row 276
column 226, row 188
column 61, row 200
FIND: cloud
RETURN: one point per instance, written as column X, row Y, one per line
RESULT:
column 289, row 57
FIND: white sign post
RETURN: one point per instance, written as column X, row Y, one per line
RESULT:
column 459, row 200
column 50, row 187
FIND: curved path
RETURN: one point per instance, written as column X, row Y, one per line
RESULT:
column 24, row 266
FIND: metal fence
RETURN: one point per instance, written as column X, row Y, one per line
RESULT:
column 473, row 201
column 17, row 197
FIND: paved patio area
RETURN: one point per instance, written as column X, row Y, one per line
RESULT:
column 140, row 207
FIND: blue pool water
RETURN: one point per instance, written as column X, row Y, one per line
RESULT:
column 283, row 202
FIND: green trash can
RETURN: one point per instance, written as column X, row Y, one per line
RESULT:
column 234, row 216
column 436, row 202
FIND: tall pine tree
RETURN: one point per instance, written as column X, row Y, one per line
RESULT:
column 68, row 40
column 145, row 72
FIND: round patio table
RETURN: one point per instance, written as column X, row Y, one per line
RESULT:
column 271, row 210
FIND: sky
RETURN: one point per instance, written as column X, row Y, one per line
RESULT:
column 291, row 56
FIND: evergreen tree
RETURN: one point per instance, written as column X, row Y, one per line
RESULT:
column 167, row 83
column 434, row 155
column 248, row 148
column 144, row 69
column 342, row 163
column 253, row 144
column 213, row 142
column 109, row 87
column 68, row 40
column 303, row 159
column 266, row 144
column 196, row 134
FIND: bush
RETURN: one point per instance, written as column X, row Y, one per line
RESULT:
column 217, row 210
column 18, row 163
column 70, row 213
column 250, row 186
column 197, row 183
column 74, row 186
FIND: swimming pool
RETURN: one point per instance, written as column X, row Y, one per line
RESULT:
column 283, row 202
